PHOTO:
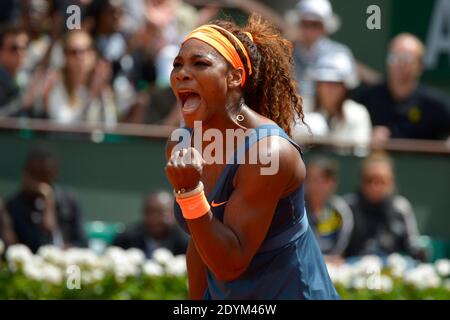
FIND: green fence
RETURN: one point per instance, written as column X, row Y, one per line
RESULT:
column 426, row 19
column 111, row 177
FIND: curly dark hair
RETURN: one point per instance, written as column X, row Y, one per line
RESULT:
column 271, row 89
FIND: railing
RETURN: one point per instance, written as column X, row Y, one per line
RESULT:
column 162, row 132
column 135, row 130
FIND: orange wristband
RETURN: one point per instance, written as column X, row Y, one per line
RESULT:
column 194, row 207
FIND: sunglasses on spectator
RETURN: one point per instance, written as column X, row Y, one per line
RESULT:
column 311, row 24
column 17, row 48
column 400, row 58
column 77, row 51
column 371, row 179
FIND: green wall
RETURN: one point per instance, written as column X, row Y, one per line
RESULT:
column 370, row 46
column 111, row 177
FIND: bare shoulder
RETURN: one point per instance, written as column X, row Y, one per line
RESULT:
column 281, row 150
column 279, row 164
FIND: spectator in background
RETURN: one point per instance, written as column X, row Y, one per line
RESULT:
column 144, row 45
column 328, row 214
column 109, row 40
column 7, row 234
column 43, row 212
column 315, row 21
column 401, row 107
column 9, row 11
column 82, row 91
column 162, row 108
column 13, row 47
column 46, row 22
column 35, row 16
column 157, row 230
column 44, row 51
column 60, row 14
column 175, row 19
column 384, row 222
column 347, row 121
column 153, row 48
column 134, row 15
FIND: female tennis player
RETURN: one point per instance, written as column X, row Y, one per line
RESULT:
column 250, row 238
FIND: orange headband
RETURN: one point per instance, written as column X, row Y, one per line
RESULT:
column 210, row 35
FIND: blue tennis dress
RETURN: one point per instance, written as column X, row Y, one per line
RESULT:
column 289, row 264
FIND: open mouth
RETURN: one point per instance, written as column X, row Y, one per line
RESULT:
column 190, row 100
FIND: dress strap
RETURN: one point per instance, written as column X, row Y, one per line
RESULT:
column 252, row 137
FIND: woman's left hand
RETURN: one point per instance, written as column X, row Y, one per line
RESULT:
column 184, row 169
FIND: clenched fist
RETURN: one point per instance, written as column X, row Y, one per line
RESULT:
column 184, row 169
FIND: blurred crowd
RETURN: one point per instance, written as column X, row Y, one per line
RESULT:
column 372, row 220
column 115, row 68
column 346, row 104
column 44, row 212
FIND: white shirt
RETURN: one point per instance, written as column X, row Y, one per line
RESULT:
column 62, row 110
column 353, row 127
column 316, row 122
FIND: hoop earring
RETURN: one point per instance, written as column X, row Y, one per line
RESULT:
column 240, row 117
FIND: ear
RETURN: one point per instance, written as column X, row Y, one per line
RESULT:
column 334, row 184
column 421, row 66
column 234, row 78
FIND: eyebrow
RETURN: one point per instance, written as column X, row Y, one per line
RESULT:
column 195, row 56
column 198, row 55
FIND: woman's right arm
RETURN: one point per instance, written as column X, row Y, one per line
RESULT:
column 196, row 273
column 196, row 268
column 6, row 227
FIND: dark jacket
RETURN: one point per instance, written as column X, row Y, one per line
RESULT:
column 27, row 219
column 10, row 104
column 333, row 226
column 383, row 228
column 137, row 237
column 425, row 114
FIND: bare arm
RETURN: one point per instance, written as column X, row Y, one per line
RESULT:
column 196, row 273
column 227, row 248
column 196, row 268
column 6, row 228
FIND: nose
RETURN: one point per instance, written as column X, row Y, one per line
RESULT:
column 182, row 74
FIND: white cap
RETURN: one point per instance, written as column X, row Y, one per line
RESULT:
column 319, row 10
column 336, row 67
